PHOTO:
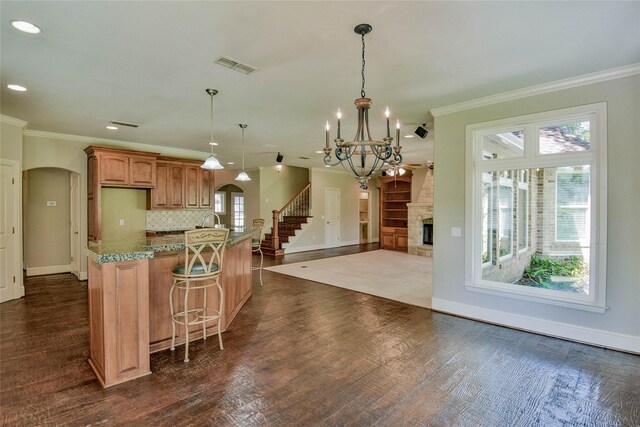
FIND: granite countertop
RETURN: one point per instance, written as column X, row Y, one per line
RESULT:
column 144, row 248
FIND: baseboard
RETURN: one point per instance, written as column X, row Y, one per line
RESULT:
column 613, row 340
column 83, row 276
column 50, row 269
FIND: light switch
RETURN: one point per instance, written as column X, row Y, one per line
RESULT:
column 51, row 203
column 456, row 231
column 122, row 222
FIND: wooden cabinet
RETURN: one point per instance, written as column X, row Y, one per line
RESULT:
column 124, row 168
column 181, row 184
column 119, row 320
column 142, row 172
column 168, row 192
column 192, row 184
column 207, row 188
column 112, row 167
column 395, row 193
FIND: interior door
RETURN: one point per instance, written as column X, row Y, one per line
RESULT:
column 332, row 217
column 237, row 210
column 74, row 216
column 9, row 274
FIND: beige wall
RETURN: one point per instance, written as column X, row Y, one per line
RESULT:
column 277, row 188
column 623, row 268
column 11, row 138
column 123, row 204
column 47, row 228
column 322, row 178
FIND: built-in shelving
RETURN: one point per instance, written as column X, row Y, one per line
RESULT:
column 395, row 193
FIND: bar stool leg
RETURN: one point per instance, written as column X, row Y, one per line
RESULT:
column 204, row 324
column 261, row 260
column 173, row 324
column 220, row 313
column 186, row 322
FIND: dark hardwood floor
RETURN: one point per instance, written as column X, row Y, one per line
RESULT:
column 302, row 354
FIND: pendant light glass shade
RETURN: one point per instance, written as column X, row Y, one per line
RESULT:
column 242, row 176
column 212, row 162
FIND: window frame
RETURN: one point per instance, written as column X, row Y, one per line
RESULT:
column 596, row 157
column 223, row 194
column 233, row 209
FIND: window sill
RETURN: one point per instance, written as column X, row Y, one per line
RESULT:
column 531, row 295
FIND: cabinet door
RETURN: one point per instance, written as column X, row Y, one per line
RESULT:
column 143, row 172
column 192, row 184
column 176, row 186
column 402, row 242
column 388, row 240
column 206, row 188
column 114, row 169
column 160, row 194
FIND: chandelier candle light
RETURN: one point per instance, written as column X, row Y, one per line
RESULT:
column 242, row 176
column 212, row 162
column 353, row 155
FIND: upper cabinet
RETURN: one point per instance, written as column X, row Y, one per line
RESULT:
column 124, row 168
column 181, row 184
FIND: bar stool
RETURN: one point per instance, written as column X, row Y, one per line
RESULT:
column 199, row 273
column 256, row 241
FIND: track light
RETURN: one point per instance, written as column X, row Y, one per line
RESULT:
column 279, row 158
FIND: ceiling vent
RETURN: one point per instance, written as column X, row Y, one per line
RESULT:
column 131, row 125
column 235, row 65
column 304, row 158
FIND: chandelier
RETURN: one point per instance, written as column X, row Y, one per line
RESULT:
column 363, row 157
column 212, row 162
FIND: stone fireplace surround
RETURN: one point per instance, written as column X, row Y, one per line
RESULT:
column 417, row 213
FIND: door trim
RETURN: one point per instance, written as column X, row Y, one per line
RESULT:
column 338, row 242
column 17, row 218
column 74, row 198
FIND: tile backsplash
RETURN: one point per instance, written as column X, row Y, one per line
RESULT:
column 180, row 219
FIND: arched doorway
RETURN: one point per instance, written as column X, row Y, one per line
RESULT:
column 229, row 205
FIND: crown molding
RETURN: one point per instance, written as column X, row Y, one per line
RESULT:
column 585, row 79
column 12, row 121
column 67, row 137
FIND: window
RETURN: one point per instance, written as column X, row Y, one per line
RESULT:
column 572, row 204
column 238, row 209
column 536, row 207
column 218, row 202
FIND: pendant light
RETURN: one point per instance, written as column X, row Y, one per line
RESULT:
column 212, row 162
column 242, row 176
column 363, row 157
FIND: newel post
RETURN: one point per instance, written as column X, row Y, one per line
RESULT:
column 275, row 240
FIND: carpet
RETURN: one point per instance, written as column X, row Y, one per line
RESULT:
column 388, row 274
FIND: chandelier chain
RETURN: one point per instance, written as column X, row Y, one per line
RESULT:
column 362, row 94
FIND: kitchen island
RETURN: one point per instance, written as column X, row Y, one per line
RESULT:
column 129, row 283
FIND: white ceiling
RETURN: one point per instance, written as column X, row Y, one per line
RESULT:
column 150, row 63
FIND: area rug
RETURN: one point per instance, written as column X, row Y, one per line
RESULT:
column 389, row 274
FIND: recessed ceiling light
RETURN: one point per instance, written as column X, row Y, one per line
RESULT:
column 409, row 136
column 25, row 26
column 230, row 163
column 213, row 143
column 319, row 152
column 17, row 87
column 112, row 127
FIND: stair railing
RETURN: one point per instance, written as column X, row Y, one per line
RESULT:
column 297, row 206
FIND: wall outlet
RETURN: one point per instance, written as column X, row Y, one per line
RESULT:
column 122, row 222
column 456, row 231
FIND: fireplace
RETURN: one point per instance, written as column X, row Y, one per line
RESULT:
column 427, row 232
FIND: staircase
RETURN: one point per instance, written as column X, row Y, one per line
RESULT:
column 286, row 222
